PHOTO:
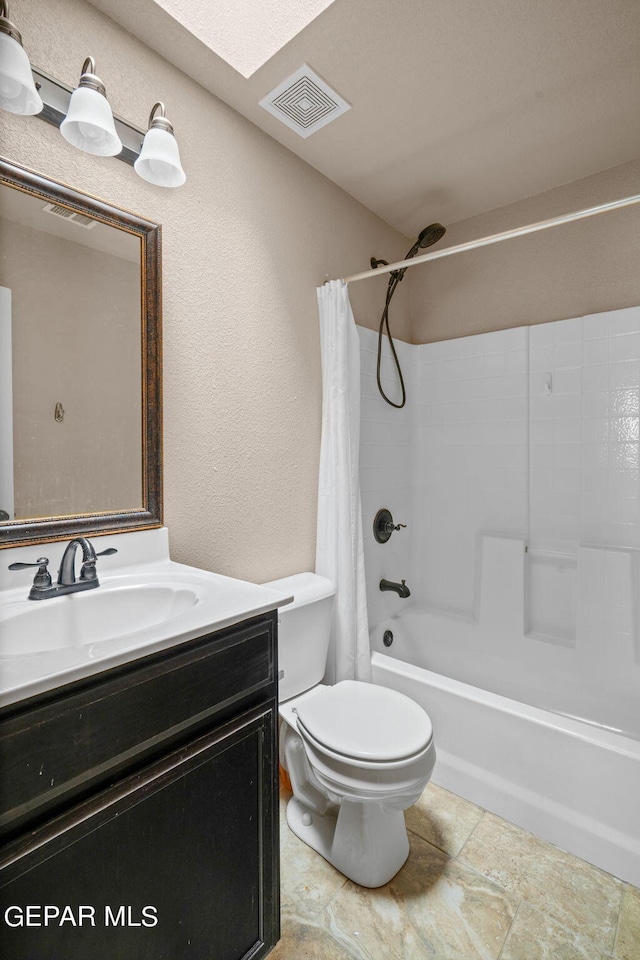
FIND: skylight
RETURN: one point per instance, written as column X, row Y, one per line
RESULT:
column 245, row 33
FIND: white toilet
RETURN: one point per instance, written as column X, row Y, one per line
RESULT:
column 357, row 754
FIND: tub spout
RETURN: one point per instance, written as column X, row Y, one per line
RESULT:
column 400, row 588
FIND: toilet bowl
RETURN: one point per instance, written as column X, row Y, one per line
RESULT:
column 357, row 754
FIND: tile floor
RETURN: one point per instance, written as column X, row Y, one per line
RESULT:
column 474, row 886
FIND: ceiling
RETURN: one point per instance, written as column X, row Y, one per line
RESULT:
column 457, row 106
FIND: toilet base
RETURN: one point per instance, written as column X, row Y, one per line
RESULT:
column 364, row 840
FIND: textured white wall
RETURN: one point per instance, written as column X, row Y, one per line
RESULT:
column 245, row 243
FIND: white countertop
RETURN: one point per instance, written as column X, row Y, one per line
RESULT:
column 221, row 601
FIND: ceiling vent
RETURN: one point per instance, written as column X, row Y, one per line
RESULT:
column 65, row 214
column 305, row 102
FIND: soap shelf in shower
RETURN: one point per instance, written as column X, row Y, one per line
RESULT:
column 550, row 596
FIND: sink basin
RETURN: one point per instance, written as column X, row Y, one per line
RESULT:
column 144, row 606
column 81, row 619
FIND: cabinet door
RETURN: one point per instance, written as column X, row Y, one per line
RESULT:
column 178, row 861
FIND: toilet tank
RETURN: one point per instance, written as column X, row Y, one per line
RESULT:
column 303, row 631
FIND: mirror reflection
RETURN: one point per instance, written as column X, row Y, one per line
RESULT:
column 80, row 363
column 70, row 362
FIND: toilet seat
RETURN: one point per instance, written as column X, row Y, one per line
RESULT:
column 365, row 725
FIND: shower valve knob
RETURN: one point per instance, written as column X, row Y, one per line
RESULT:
column 383, row 525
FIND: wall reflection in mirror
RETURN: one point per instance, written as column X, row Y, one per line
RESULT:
column 80, row 391
column 71, row 355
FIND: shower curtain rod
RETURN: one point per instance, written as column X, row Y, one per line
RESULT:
column 496, row 238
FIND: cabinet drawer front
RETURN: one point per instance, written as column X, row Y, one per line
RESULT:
column 81, row 740
column 179, row 860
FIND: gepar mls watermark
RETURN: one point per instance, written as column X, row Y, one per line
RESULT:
column 51, row 915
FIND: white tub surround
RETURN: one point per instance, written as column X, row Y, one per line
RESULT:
column 571, row 783
column 593, row 675
column 519, row 470
column 387, row 474
column 517, row 464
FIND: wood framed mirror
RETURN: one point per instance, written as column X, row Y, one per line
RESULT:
column 80, row 363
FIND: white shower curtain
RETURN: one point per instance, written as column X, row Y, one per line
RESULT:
column 339, row 550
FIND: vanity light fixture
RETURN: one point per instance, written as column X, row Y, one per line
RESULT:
column 84, row 115
column 18, row 92
column 159, row 160
column 89, row 124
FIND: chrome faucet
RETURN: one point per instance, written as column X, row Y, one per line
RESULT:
column 42, row 587
column 400, row 588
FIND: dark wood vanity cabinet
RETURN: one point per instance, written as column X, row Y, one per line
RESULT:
column 139, row 808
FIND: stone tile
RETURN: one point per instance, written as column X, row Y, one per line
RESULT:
column 306, row 939
column 443, row 818
column 306, row 879
column 536, row 936
column 579, row 896
column 434, row 908
column 628, row 939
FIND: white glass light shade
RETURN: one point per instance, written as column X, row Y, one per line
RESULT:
column 18, row 92
column 89, row 124
column 159, row 160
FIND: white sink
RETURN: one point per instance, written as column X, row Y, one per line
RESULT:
column 93, row 616
column 145, row 604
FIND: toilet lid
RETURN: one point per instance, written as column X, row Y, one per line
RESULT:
column 365, row 721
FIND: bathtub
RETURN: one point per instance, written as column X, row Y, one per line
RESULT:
column 571, row 782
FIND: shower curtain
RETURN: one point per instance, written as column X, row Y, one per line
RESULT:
column 339, row 549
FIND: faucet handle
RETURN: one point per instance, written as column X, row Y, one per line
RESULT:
column 88, row 571
column 42, row 579
column 42, row 562
column 383, row 525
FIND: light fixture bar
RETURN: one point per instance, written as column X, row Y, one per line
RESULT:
column 56, row 96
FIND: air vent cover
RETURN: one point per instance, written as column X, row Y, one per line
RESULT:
column 70, row 215
column 304, row 102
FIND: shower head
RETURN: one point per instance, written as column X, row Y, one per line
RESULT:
column 431, row 234
column 426, row 237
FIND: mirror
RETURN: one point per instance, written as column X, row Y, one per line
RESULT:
column 80, row 364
